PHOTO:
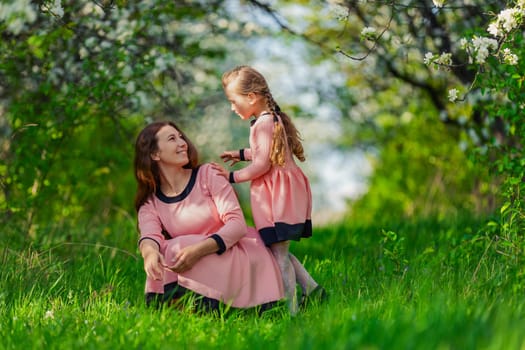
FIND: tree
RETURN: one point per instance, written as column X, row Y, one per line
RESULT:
column 77, row 81
column 389, row 51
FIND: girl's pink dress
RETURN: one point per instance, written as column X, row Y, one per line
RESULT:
column 242, row 274
column 280, row 196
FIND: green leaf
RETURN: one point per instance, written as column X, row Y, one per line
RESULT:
column 505, row 207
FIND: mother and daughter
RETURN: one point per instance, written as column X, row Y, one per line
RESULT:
column 193, row 235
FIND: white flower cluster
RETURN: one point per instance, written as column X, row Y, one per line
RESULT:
column 438, row 3
column 55, row 9
column 443, row 61
column 16, row 14
column 480, row 48
column 453, row 95
column 509, row 57
column 369, row 33
column 339, row 11
column 507, row 21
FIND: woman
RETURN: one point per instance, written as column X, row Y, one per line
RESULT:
column 193, row 235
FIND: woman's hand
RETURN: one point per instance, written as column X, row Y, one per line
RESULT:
column 185, row 258
column 153, row 261
column 231, row 156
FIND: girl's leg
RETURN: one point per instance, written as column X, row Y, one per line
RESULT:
column 280, row 251
column 307, row 283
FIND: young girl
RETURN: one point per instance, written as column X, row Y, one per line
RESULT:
column 280, row 195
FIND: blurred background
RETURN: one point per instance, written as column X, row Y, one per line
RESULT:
column 79, row 79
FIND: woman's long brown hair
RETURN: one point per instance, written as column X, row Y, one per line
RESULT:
column 249, row 80
column 146, row 169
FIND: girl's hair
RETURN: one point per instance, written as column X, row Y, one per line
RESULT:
column 249, row 80
column 146, row 169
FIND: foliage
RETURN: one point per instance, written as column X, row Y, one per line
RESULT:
column 422, row 172
column 78, row 80
column 390, row 52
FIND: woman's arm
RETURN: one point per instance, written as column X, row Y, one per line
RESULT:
column 151, row 240
column 228, row 209
column 153, row 259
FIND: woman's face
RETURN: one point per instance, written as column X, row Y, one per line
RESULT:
column 172, row 148
column 242, row 105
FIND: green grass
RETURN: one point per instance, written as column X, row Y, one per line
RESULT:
column 420, row 285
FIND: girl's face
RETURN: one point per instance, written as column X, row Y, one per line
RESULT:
column 243, row 105
column 172, row 148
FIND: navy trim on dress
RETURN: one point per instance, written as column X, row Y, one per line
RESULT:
column 220, row 243
column 241, row 155
column 187, row 190
column 173, row 292
column 231, row 178
column 143, row 238
column 285, row 232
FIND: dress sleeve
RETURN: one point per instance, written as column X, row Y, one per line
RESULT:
column 149, row 224
column 228, row 208
column 260, row 149
column 247, row 154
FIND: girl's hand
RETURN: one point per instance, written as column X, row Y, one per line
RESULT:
column 154, row 265
column 231, row 156
column 220, row 170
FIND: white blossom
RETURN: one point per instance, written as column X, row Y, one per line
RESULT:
column 481, row 47
column 83, row 52
column 507, row 20
column 429, row 58
column 90, row 8
column 90, row 42
column 453, row 95
column 49, row 315
column 16, row 14
column 55, row 9
column 130, row 87
column 368, row 33
column 445, row 59
column 339, row 11
column 438, row 3
column 509, row 57
column 494, row 30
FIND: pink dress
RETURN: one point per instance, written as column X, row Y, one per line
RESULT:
column 280, row 196
column 242, row 274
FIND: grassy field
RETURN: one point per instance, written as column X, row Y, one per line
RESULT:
column 415, row 285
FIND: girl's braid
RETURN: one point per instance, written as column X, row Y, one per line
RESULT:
column 277, row 154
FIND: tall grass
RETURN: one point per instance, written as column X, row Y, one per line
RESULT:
column 408, row 285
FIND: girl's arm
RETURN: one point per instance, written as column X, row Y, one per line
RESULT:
column 259, row 151
column 236, row 156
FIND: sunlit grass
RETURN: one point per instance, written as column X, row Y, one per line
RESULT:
column 422, row 285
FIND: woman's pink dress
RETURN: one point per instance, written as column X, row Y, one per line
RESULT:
column 280, row 196
column 242, row 274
